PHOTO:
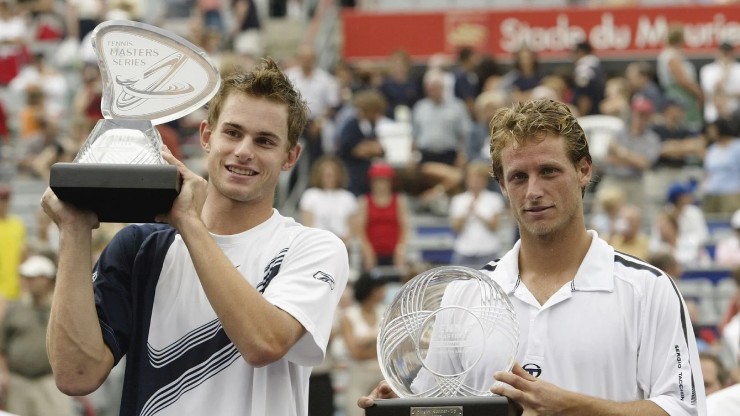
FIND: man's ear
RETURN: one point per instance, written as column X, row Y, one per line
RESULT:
column 293, row 154
column 585, row 171
column 205, row 136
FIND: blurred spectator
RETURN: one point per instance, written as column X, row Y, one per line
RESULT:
column 52, row 83
column 211, row 40
column 478, row 141
column 382, row 221
column 32, row 113
column 321, row 382
column 715, row 375
column 632, row 152
column 475, row 216
column 170, row 138
column 12, row 243
column 368, row 75
column 399, row 87
column 681, row 153
column 247, row 37
column 321, row 92
column 86, row 104
column 720, row 82
column 466, row 77
column 666, row 261
column 526, row 74
column 729, row 314
column 680, row 146
column 616, row 100
column 440, row 126
column 4, row 130
column 45, row 149
column 25, row 371
column 82, row 16
column 727, row 250
column 489, row 75
column 358, row 142
column 360, row 327
column 440, row 130
column 441, row 64
column 588, row 77
column 47, row 24
column 721, row 185
column 327, row 204
column 630, row 238
column 209, row 15
column 726, row 402
column 13, row 41
column 640, row 78
column 681, row 227
column 678, row 79
column 607, row 219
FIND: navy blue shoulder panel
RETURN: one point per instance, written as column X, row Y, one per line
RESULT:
column 124, row 279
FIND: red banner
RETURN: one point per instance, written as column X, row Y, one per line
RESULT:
column 614, row 33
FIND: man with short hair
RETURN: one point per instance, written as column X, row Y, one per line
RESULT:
column 603, row 332
column 25, row 372
column 224, row 309
column 589, row 80
column 720, row 82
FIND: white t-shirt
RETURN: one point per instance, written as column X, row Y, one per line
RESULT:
column 331, row 209
column 319, row 89
column 188, row 365
column 725, row 402
column 692, row 234
column 476, row 238
column 619, row 331
column 709, row 76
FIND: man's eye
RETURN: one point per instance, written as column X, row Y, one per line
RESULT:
column 518, row 177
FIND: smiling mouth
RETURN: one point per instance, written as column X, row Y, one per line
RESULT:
column 242, row 172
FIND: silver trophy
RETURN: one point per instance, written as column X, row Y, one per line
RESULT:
column 150, row 77
column 441, row 339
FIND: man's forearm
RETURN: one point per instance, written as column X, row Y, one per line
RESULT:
column 79, row 357
column 262, row 332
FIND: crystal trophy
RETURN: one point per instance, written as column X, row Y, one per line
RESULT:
column 150, row 77
column 442, row 338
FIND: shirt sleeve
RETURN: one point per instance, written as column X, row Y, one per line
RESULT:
column 113, row 282
column 310, row 283
column 668, row 362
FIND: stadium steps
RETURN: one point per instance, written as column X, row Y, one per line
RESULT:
column 283, row 36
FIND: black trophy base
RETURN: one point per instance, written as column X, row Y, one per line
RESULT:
column 117, row 192
column 448, row 406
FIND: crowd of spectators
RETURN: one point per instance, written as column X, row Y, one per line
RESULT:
column 397, row 141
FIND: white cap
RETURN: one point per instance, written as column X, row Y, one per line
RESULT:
column 37, row 266
column 735, row 221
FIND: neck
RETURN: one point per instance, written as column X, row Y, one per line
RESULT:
column 227, row 217
column 553, row 259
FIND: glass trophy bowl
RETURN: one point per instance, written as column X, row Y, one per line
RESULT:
column 445, row 333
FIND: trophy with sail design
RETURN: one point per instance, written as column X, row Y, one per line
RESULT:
column 150, row 77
